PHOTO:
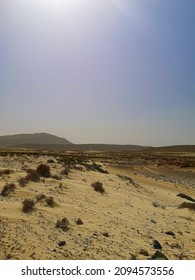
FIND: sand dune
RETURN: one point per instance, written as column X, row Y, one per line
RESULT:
column 140, row 205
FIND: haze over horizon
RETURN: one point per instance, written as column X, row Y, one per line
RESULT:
column 102, row 71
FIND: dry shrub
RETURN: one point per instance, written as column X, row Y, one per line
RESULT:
column 188, row 205
column 7, row 189
column 28, row 205
column 44, row 170
column 98, row 187
column 66, row 170
column 50, row 201
column 23, row 181
column 32, row 175
column 63, row 224
column 5, row 172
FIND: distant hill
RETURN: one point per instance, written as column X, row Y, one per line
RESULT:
column 21, row 140
column 44, row 141
column 173, row 149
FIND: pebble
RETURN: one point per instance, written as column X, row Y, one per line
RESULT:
column 157, row 245
column 61, row 243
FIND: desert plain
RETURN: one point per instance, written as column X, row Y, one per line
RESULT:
column 144, row 208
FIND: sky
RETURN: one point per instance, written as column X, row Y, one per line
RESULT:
column 101, row 71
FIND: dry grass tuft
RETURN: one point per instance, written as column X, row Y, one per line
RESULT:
column 50, row 201
column 44, row 170
column 5, row 172
column 32, row 175
column 63, row 224
column 28, row 205
column 7, row 189
column 98, row 187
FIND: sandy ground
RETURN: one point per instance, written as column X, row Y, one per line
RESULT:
column 139, row 206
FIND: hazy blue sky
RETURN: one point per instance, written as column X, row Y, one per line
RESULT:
column 99, row 71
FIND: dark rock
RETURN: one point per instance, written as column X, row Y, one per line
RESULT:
column 62, row 243
column 153, row 221
column 50, row 161
column 170, row 233
column 79, row 221
column 157, row 245
column 105, row 234
column 143, row 252
column 133, row 257
column 159, row 256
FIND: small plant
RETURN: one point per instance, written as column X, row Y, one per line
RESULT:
column 5, row 172
column 44, row 170
column 23, row 181
column 32, row 175
column 7, row 189
column 50, row 201
column 63, row 224
column 28, row 205
column 65, row 171
column 98, row 187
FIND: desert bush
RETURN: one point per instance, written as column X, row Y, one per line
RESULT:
column 5, row 172
column 188, row 205
column 7, row 189
column 32, row 175
column 44, row 170
column 28, row 205
column 50, row 201
column 63, row 224
column 98, row 187
column 23, row 181
column 65, row 171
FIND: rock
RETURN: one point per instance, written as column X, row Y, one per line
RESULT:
column 79, row 221
column 105, row 234
column 170, row 233
column 153, row 221
column 158, row 256
column 157, row 245
column 61, row 243
column 133, row 257
column 143, row 252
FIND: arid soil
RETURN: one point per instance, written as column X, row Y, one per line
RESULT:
column 136, row 213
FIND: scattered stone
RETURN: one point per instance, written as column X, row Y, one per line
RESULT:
column 143, row 252
column 62, row 243
column 158, row 256
column 79, row 221
column 105, row 234
column 157, row 245
column 170, row 233
column 153, row 221
column 133, row 257
column 50, row 161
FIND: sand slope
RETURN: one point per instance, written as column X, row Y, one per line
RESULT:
column 120, row 224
